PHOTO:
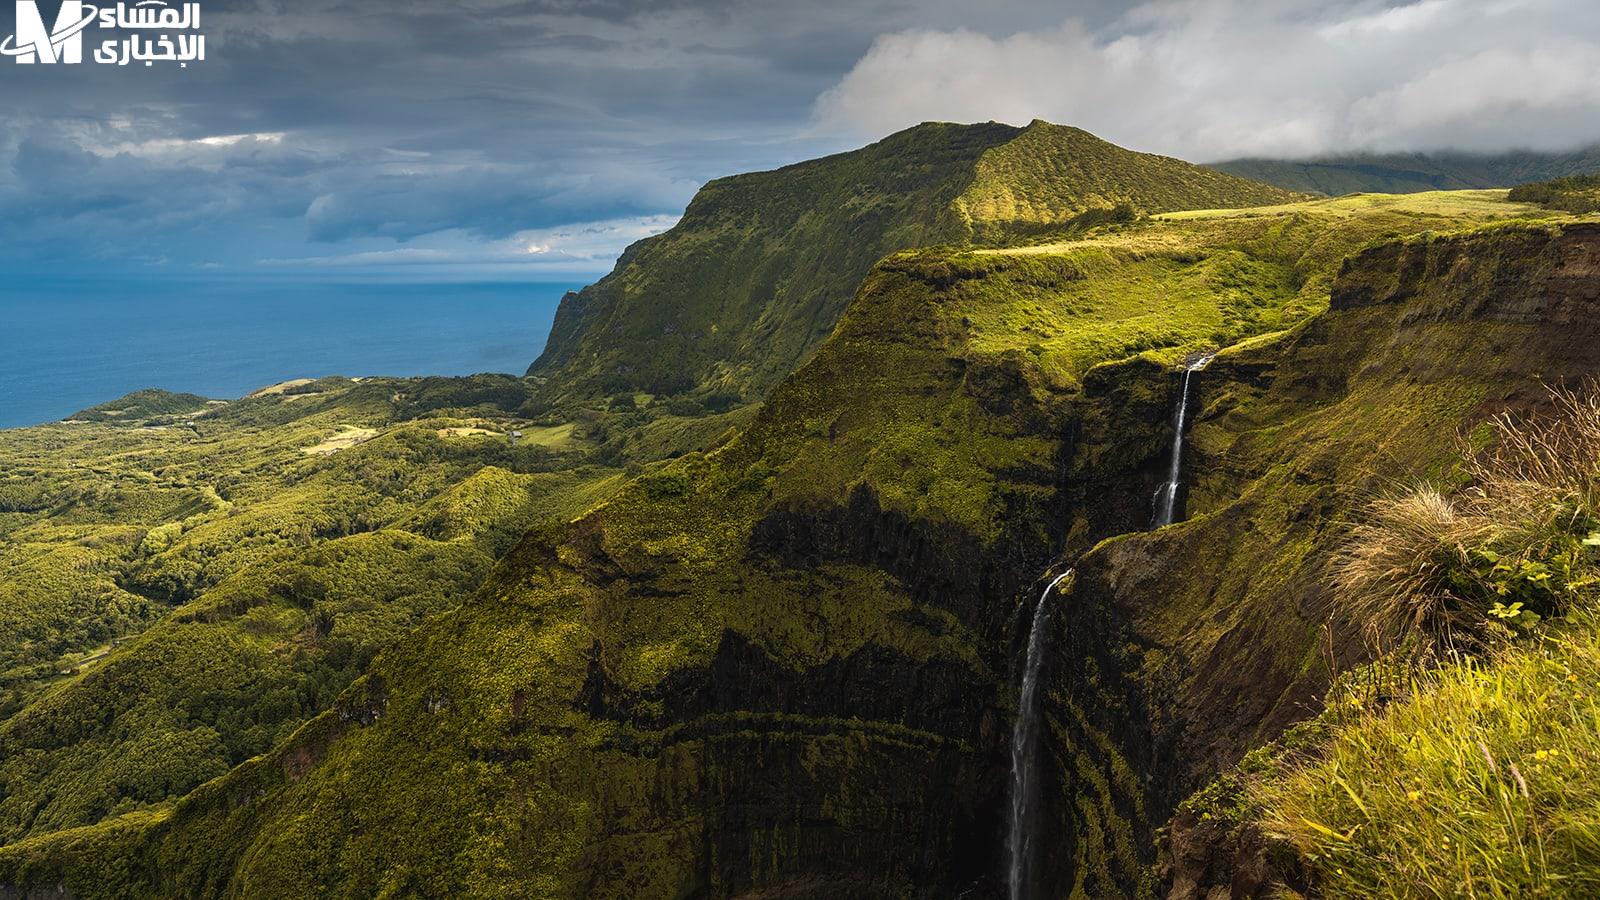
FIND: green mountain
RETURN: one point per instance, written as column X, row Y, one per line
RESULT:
column 759, row 269
column 1404, row 173
column 495, row 637
column 783, row 665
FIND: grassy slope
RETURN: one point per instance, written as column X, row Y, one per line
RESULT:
column 1407, row 173
column 289, row 566
column 1226, row 636
column 1481, row 780
column 575, row 729
column 761, row 266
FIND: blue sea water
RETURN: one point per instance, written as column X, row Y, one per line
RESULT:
column 66, row 347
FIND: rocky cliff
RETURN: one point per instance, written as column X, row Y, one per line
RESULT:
column 1185, row 648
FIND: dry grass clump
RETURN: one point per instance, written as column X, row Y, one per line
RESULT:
column 1398, row 573
column 1440, row 571
column 1483, row 778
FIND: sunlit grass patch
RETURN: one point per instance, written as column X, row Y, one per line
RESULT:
column 348, row 436
column 1485, row 783
column 1483, row 780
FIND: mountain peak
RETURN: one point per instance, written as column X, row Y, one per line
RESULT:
column 758, row 270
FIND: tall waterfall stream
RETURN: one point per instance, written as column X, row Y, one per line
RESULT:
column 1167, row 495
column 1025, row 751
column 1025, row 736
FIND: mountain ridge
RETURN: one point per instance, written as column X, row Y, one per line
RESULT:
column 1412, row 172
column 756, row 273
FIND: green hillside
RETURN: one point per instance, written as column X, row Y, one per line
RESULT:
column 185, row 582
column 779, row 666
column 759, row 269
column 730, row 596
column 1405, row 173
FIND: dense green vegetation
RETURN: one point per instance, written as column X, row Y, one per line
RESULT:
column 1411, row 172
column 182, row 589
column 350, row 638
column 1575, row 193
column 761, row 265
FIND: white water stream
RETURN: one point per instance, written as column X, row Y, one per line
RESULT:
column 1025, row 751
column 1167, row 495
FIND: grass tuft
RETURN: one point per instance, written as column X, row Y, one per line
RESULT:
column 1518, row 545
column 1483, row 780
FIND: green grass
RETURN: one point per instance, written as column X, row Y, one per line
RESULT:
column 1485, row 782
column 762, row 265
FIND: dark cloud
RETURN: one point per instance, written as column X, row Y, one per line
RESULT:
column 1212, row 79
column 430, row 131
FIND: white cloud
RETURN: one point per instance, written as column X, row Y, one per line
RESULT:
column 585, row 248
column 1213, row 79
column 1394, row 20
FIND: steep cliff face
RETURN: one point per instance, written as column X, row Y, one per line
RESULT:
column 1186, row 647
column 785, row 666
column 758, row 271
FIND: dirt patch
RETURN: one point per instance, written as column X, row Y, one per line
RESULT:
column 282, row 386
column 345, row 439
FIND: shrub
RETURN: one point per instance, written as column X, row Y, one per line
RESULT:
column 1519, row 544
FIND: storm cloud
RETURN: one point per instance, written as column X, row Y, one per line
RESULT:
column 543, row 135
column 1217, row 79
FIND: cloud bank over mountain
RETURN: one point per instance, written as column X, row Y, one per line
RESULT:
column 357, row 133
column 1212, row 79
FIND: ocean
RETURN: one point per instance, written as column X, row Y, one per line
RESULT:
column 66, row 347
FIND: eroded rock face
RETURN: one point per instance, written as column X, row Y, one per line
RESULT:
column 1186, row 648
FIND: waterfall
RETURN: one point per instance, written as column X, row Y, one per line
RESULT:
column 1167, row 495
column 1024, row 749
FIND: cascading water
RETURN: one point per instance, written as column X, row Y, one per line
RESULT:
column 1025, row 750
column 1167, row 495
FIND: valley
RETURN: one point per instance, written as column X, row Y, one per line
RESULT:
column 741, row 590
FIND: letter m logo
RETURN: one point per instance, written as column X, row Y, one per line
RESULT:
column 63, row 43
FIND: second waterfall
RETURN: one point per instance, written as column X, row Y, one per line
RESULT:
column 1167, row 495
column 1025, row 762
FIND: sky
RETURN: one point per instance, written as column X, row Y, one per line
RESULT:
column 534, row 139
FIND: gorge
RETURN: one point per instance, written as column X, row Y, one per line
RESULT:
column 753, row 608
